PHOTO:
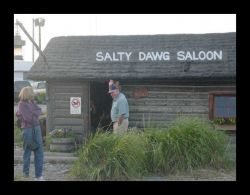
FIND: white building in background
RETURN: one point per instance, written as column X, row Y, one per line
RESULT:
column 20, row 68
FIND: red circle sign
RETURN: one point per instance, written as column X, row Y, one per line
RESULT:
column 75, row 103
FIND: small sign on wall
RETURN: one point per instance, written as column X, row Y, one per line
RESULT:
column 75, row 105
column 140, row 92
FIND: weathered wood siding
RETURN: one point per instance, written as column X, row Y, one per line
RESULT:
column 74, row 57
column 166, row 102
column 59, row 116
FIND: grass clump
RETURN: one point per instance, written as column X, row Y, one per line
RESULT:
column 192, row 143
column 93, row 157
column 111, row 157
column 187, row 144
column 130, row 156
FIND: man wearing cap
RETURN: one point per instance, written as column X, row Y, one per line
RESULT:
column 119, row 110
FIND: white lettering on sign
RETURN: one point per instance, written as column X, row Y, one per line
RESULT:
column 201, row 55
column 75, row 105
column 159, row 56
column 154, row 56
column 114, row 56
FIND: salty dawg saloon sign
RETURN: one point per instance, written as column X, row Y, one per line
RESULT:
column 121, row 56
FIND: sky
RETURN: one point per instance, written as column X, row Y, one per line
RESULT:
column 120, row 24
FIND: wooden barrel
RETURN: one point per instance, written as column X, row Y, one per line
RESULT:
column 62, row 144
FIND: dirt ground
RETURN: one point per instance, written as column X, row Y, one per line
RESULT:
column 59, row 172
column 198, row 175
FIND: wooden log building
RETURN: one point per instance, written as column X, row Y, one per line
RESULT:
column 162, row 76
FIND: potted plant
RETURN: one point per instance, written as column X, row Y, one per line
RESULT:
column 225, row 123
column 62, row 140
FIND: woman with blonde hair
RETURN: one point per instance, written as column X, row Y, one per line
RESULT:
column 28, row 113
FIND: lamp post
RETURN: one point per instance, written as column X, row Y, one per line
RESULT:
column 32, row 40
column 18, row 44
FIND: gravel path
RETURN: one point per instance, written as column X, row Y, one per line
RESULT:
column 52, row 172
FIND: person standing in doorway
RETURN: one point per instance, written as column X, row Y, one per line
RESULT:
column 120, row 108
column 28, row 113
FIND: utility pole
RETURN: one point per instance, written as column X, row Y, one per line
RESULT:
column 39, row 22
column 40, row 36
column 33, row 36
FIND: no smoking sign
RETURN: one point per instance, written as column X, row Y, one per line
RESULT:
column 75, row 105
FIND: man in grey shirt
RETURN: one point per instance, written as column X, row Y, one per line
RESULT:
column 120, row 109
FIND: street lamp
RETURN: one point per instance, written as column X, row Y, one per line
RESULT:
column 32, row 40
column 18, row 44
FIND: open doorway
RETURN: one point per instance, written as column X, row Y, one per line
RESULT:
column 100, row 105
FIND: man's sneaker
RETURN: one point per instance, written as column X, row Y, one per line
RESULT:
column 39, row 179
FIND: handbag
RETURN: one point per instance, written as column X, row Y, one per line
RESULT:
column 33, row 145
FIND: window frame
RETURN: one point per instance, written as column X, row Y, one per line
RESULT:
column 211, row 100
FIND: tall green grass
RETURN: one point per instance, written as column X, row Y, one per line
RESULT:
column 188, row 143
column 112, row 157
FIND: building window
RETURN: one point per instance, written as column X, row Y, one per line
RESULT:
column 222, row 107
